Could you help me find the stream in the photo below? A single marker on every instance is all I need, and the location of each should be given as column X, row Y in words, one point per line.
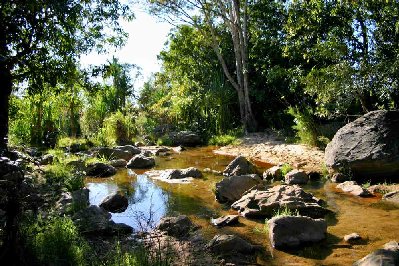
column 150, row 200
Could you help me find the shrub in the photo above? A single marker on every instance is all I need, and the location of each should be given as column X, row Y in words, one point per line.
column 308, row 131
column 117, row 129
column 285, row 169
column 56, row 241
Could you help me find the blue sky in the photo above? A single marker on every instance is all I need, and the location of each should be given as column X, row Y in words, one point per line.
column 147, row 36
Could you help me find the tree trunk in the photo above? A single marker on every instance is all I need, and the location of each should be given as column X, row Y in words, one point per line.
column 5, row 92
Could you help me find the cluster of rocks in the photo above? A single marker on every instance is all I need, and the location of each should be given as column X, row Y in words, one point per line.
column 175, row 175
column 252, row 197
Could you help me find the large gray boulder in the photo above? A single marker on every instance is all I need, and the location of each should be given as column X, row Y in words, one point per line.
column 266, row 202
column 140, row 161
column 294, row 231
column 231, row 188
column 386, row 256
column 239, row 166
column 100, row 170
column 115, row 203
column 368, row 147
column 96, row 221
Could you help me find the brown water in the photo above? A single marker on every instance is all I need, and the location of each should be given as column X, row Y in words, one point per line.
column 149, row 200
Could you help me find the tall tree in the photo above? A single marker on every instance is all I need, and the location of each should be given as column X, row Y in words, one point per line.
column 42, row 40
column 207, row 16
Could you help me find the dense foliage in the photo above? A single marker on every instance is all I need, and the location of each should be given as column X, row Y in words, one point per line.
column 311, row 65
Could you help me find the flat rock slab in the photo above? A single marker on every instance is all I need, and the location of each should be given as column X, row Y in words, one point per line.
column 387, row 256
column 225, row 220
column 287, row 232
column 264, row 203
column 353, row 188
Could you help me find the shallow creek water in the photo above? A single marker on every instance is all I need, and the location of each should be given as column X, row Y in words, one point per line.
column 150, row 200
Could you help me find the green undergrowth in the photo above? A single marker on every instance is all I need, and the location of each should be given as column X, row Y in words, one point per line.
column 64, row 175
column 223, row 140
column 55, row 241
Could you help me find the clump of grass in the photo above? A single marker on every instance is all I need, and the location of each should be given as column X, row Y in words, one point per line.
column 56, row 241
column 285, row 212
column 285, row 168
column 223, row 140
column 366, row 185
column 66, row 142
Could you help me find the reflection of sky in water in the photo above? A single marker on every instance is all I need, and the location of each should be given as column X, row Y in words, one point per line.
column 147, row 201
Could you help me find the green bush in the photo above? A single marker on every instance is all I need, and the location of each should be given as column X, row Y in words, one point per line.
column 56, row 241
column 117, row 129
column 308, row 131
column 285, row 169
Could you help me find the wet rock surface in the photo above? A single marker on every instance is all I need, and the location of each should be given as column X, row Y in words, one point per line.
column 231, row 188
column 287, row 232
column 263, row 203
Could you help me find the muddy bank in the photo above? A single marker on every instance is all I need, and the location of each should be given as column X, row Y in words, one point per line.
column 269, row 148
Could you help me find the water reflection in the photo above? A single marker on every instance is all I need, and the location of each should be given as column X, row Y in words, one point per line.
column 147, row 201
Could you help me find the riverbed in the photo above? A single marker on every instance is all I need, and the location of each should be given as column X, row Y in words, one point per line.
column 150, row 200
